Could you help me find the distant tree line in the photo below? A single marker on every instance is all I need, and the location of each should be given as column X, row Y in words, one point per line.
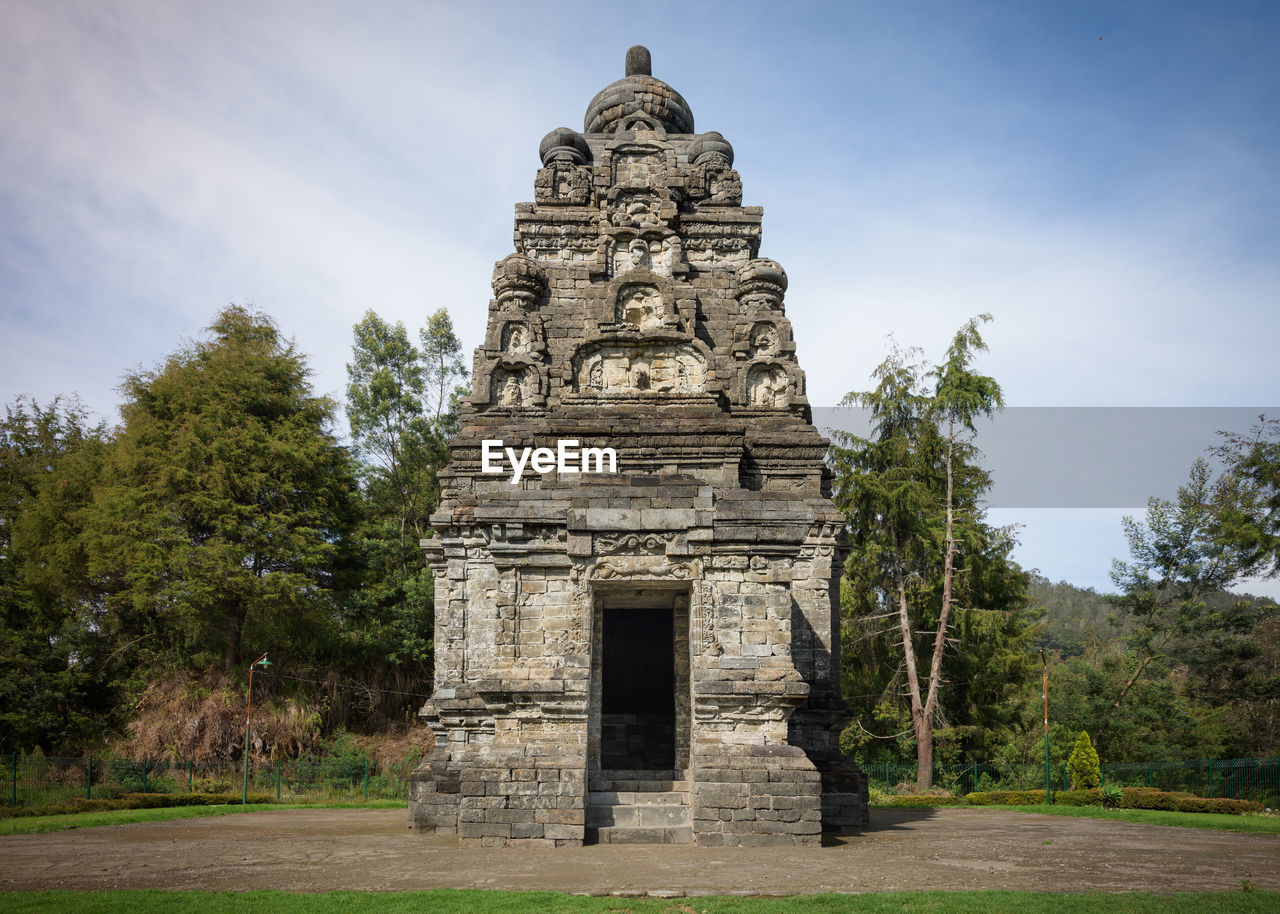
column 941, row 629
column 222, row 517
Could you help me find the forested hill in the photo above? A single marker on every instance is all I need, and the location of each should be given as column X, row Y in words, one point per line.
column 1075, row 618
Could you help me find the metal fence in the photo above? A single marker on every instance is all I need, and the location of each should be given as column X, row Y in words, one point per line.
column 1247, row 779
column 40, row 780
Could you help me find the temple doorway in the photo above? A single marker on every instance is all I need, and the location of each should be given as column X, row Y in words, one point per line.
column 641, row 666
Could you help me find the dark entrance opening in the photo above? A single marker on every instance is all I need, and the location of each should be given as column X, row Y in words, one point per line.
column 638, row 706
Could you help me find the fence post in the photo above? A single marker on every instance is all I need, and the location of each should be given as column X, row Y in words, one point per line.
column 277, row 780
column 1102, row 768
column 1151, row 775
column 13, row 793
column 1211, row 779
column 88, row 781
column 190, row 767
column 975, row 776
column 366, row 779
column 144, row 775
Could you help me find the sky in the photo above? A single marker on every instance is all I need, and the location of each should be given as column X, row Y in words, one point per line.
column 1103, row 178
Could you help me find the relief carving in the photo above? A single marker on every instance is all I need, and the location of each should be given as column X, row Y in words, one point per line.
column 626, row 367
column 764, row 339
column 563, row 183
column 640, row 305
column 514, row 387
column 644, row 568
column 636, row 210
column 768, row 387
column 516, row 338
column 634, row 543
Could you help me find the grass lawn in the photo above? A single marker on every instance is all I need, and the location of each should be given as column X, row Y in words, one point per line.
column 27, row 825
column 451, row 901
column 1255, row 824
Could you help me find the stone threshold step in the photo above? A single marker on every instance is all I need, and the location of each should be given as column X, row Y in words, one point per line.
column 624, row 834
column 639, row 781
column 639, row 816
column 638, row 797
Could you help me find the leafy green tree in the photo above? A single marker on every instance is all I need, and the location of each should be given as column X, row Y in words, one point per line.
column 921, row 551
column 443, row 371
column 56, row 683
column 1084, row 764
column 224, row 502
column 402, row 448
column 1178, row 560
column 1248, row 509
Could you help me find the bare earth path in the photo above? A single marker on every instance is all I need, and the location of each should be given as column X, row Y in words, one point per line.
column 323, row 849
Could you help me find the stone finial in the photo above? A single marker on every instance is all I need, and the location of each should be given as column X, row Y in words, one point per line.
column 639, row 62
column 762, row 277
column 518, row 276
column 710, row 144
column 638, row 93
column 564, row 141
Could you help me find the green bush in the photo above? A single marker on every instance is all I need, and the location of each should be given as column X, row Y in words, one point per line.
column 1112, row 796
column 1130, row 798
column 1217, row 804
column 1084, row 765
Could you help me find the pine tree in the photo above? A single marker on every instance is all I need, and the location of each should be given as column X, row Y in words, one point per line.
column 1084, row 765
column 922, row 554
column 225, row 500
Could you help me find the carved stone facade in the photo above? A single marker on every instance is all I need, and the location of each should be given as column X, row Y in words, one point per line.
column 650, row 654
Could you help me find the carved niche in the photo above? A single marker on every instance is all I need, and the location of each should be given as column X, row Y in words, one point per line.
column 516, row 386
column 565, row 178
column 510, row 367
column 712, row 180
column 768, row 386
column 621, row 367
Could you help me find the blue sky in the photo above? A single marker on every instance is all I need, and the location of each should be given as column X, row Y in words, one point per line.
column 1104, row 178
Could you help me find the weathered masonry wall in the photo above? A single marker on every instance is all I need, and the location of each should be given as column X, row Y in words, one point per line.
column 651, row 654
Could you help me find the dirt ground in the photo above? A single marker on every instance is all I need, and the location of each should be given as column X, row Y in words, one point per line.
column 323, row 849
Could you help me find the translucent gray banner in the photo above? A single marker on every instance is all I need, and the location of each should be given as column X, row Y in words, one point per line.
column 1085, row 457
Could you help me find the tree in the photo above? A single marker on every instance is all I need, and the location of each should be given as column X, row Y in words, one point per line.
column 224, row 502
column 403, row 447
column 920, row 548
column 56, row 682
column 1178, row 560
column 1248, row 508
column 443, row 367
column 1084, row 764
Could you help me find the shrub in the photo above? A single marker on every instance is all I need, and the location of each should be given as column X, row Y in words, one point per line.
column 1112, row 796
column 1146, row 798
column 1085, row 767
column 1217, row 804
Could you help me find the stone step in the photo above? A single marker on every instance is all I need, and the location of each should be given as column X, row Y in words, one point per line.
column 629, row 834
column 639, row 815
column 638, row 797
column 639, row 781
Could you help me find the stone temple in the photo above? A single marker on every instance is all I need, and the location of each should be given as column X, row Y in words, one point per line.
column 638, row 642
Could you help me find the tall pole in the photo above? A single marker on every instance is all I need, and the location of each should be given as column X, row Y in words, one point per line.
column 1044, row 663
column 248, row 714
